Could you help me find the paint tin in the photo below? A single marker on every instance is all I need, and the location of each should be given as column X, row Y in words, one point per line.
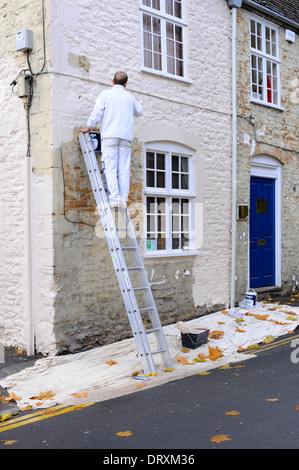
column 250, row 298
column 96, row 141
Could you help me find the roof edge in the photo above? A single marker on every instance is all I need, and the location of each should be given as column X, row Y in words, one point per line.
column 268, row 11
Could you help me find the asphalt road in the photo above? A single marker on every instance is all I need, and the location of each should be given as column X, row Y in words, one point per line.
column 178, row 419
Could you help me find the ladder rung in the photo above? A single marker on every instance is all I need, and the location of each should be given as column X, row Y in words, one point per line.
column 151, row 330
column 146, row 309
column 134, row 268
column 129, row 248
column 158, row 351
column 140, row 288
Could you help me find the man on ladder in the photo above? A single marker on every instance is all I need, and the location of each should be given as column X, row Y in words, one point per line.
column 115, row 109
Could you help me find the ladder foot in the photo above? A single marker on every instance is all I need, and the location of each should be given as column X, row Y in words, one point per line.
column 168, row 370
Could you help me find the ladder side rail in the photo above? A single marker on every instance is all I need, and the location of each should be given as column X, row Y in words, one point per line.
column 118, row 259
column 150, row 301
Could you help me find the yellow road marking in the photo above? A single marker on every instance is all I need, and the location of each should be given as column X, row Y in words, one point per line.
column 38, row 416
column 274, row 345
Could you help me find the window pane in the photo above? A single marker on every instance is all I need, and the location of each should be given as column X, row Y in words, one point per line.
column 169, row 7
column 156, row 26
column 150, row 179
column 184, row 164
column 175, row 163
column 171, row 65
column 175, row 180
column 184, row 182
column 169, row 30
column 148, row 59
column 180, row 68
column 179, row 50
column 157, row 62
column 150, row 160
column 175, row 206
column 151, row 223
column 146, row 22
column 170, row 49
column 178, row 9
column 161, row 205
column 160, row 161
column 178, row 34
column 160, row 179
column 185, row 206
column 150, row 205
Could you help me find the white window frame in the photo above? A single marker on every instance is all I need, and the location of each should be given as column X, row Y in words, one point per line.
column 260, row 93
column 164, row 18
column 169, row 193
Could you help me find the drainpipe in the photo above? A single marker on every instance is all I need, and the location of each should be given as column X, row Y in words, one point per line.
column 234, row 4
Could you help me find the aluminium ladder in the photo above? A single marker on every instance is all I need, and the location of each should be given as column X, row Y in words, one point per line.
column 127, row 275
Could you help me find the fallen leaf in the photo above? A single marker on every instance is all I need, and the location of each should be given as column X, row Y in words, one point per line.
column 201, row 357
column 11, row 397
column 239, row 367
column 43, row 396
column 124, row 433
column 27, row 408
column 233, row 413
column 216, row 334
column 4, row 417
column 220, row 438
column 185, row 350
column 269, row 339
column 80, row 395
column 214, row 353
column 225, row 367
column 140, row 385
column 183, row 361
column 297, row 407
column 203, row 373
column 8, row 443
column 241, row 349
column 110, row 363
column 272, row 399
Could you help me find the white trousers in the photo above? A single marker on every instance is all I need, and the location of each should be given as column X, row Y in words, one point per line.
column 116, row 160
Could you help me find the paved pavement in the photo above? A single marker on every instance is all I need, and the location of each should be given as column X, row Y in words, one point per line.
column 15, row 362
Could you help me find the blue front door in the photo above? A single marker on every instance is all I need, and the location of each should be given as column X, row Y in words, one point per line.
column 262, row 232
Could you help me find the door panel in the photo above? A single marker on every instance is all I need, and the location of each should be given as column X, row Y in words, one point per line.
column 262, row 232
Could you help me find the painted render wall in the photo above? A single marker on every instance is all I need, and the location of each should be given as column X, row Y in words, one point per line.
column 272, row 133
column 86, row 51
column 76, row 300
column 16, row 15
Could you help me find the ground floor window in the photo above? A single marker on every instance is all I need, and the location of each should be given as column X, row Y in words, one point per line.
column 169, row 199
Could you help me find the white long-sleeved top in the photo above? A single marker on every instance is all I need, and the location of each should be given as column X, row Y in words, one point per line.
column 115, row 108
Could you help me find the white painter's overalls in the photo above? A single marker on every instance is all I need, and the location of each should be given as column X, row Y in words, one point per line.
column 116, row 109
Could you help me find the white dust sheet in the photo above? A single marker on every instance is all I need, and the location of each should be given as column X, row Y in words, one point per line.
column 88, row 372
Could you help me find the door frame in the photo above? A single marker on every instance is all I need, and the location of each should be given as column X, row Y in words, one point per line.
column 265, row 166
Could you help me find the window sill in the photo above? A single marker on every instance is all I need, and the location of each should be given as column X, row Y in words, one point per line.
column 167, row 75
column 268, row 105
column 169, row 254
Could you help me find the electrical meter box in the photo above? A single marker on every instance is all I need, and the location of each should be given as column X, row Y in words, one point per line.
column 24, row 40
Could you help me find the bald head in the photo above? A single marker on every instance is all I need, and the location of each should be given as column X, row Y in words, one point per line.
column 120, row 78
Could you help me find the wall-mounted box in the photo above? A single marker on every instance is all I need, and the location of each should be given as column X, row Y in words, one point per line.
column 242, row 212
column 24, row 40
column 290, row 35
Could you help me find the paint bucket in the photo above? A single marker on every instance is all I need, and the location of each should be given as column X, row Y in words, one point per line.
column 96, row 141
column 250, row 298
